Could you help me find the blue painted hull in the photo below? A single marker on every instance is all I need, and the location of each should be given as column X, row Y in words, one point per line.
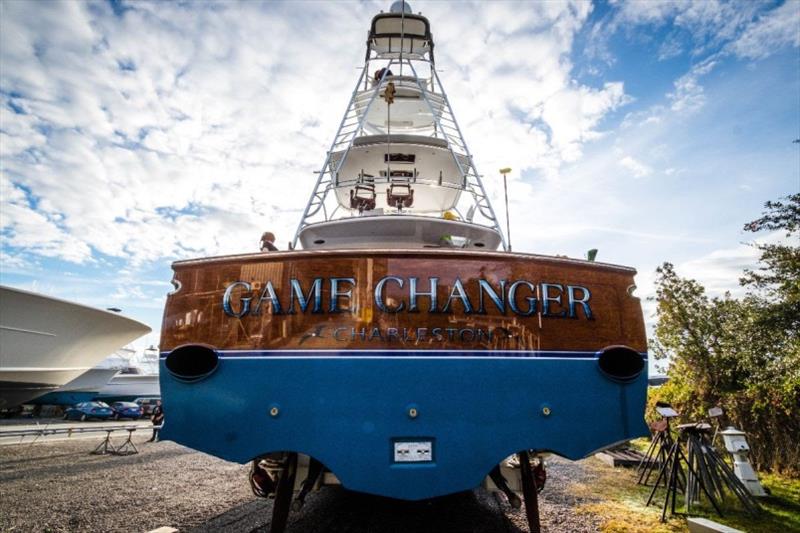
column 347, row 408
column 64, row 398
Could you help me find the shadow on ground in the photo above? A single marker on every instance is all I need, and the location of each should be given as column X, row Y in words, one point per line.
column 334, row 509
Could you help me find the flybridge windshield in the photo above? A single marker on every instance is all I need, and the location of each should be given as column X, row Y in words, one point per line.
column 395, row 33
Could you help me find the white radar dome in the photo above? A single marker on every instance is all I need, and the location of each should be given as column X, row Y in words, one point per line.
column 400, row 6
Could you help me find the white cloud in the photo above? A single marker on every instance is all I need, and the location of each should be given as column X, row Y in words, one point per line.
column 34, row 231
column 654, row 11
column 204, row 123
column 10, row 263
column 771, row 32
column 689, row 94
column 715, row 29
column 719, row 271
column 178, row 130
column 637, row 168
column 708, row 23
column 574, row 114
column 185, row 130
column 671, row 47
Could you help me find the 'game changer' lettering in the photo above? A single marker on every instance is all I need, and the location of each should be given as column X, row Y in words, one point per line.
column 520, row 297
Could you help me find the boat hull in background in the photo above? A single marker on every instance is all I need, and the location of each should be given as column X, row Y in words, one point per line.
column 128, row 387
column 46, row 342
column 84, row 388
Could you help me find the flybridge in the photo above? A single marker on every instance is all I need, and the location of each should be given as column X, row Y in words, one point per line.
column 398, row 173
column 520, row 297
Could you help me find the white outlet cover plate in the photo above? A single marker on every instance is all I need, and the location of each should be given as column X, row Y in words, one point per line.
column 413, row 452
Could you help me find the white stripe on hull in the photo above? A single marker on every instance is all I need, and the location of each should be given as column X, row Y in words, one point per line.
column 139, row 385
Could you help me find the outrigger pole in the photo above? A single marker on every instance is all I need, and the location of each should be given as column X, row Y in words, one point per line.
column 505, row 171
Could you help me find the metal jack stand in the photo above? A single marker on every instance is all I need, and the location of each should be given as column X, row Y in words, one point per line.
column 714, row 472
column 314, row 471
column 106, row 447
column 127, row 447
column 673, row 470
column 659, row 451
column 283, row 494
column 501, row 483
column 530, row 490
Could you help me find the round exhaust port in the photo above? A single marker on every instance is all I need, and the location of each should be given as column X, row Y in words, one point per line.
column 192, row 362
column 620, row 363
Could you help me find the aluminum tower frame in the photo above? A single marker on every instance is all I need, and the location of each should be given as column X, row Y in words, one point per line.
column 445, row 127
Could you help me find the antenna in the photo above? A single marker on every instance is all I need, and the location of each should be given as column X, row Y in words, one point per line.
column 505, row 171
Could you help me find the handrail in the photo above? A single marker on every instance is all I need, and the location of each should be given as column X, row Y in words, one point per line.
column 385, row 180
column 325, row 167
column 402, row 215
column 45, row 431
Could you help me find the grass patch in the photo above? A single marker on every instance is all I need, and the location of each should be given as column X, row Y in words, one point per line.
column 641, row 444
column 614, row 496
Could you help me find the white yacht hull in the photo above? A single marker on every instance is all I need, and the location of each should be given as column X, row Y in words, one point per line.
column 84, row 388
column 128, row 387
column 46, row 342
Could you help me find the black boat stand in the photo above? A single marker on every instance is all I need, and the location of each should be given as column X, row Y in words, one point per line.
column 284, row 489
column 106, row 447
column 127, row 447
column 500, row 482
column 530, row 492
column 314, row 471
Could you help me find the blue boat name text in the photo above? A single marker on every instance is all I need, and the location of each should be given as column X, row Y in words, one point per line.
column 521, row 297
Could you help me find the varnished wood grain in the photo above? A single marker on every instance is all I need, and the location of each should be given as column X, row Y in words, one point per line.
column 194, row 314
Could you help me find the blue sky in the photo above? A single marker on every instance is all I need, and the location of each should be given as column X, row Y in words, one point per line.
column 135, row 134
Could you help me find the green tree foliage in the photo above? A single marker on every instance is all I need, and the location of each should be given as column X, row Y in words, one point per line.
column 741, row 354
column 778, row 277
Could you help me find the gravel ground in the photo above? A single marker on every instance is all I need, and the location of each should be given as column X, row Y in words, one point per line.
column 59, row 486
